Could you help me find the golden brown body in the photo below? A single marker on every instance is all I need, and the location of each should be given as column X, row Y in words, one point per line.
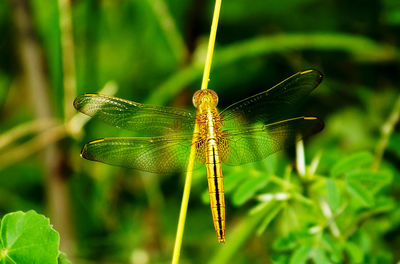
column 210, row 134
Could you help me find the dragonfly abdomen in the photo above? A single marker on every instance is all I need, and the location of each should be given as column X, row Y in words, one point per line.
column 216, row 189
column 210, row 133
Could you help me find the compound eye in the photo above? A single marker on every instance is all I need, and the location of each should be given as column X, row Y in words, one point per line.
column 205, row 95
column 197, row 98
column 213, row 97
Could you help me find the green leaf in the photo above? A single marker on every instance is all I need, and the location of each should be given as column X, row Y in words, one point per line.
column 329, row 243
column 351, row 162
column 271, row 164
column 28, row 238
column 269, row 217
column 301, row 255
column 320, row 257
column 360, row 193
column 62, row 259
column 238, row 238
column 249, row 188
column 354, row 251
column 332, row 194
column 369, row 181
column 302, row 199
column 233, row 179
column 385, row 204
column 372, row 180
column 285, row 243
column 279, row 259
column 205, row 197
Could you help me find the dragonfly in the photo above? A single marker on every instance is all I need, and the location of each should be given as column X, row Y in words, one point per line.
column 246, row 131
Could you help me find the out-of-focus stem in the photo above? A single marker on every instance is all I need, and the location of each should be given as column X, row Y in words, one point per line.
column 23, row 130
column 32, row 63
column 170, row 30
column 36, row 144
column 68, row 56
column 47, row 137
column 386, row 131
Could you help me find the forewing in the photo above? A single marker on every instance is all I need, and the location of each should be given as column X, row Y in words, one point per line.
column 256, row 143
column 146, row 119
column 152, row 154
column 273, row 105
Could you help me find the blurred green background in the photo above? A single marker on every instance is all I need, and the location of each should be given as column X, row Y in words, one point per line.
column 343, row 207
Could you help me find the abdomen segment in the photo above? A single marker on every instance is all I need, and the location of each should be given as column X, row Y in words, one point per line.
column 216, row 190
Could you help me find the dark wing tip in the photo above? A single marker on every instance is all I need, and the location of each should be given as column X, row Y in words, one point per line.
column 77, row 103
column 319, row 76
column 318, row 124
column 81, row 100
column 85, row 152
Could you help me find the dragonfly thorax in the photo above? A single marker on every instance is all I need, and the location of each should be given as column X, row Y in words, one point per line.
column 206, row 95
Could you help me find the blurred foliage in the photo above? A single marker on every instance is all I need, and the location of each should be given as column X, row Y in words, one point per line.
column 343, row 209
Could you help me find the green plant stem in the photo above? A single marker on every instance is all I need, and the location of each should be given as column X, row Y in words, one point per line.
column 185, row 199
column 36, row 144
column 192, row 157
column 33, row 67
column 386, row 131
column 211, row 44
column 9, row 137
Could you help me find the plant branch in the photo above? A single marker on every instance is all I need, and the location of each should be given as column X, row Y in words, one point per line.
column 192, row 156
column 211, row 44
column 386, row 131
column 15, row 133
column 33, row 65
column 185, row 198
column 47, row 137
column 36, row 144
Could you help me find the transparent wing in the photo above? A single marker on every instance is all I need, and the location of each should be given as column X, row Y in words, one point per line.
column 256, row 143
column 152, row 154
column 152, row 120
column 273, row 105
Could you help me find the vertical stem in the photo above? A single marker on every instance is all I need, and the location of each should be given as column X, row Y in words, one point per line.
column 211, row 42
column 386, row 131
column 33, row 65
column 185, row 199
column 192, row 156
column 68, row 57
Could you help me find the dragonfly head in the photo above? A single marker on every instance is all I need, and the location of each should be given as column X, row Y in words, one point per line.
column 205, row 95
